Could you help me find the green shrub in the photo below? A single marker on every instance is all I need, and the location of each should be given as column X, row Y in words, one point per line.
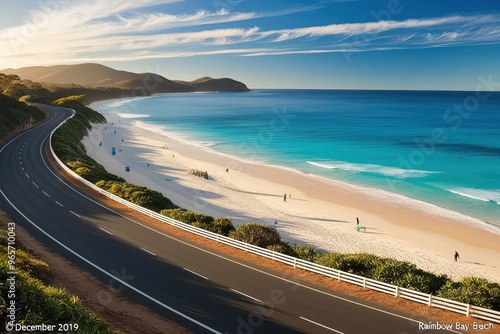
column 69, row 99
column 392, row 271
column 473, row 290
column 300, row 252
column 187, row 216
column 359, row 264
column 143, row 196
column 423, row 281
column 255, row 234
column 217, row 225
column 223, row 226
column 303, row 252
column 283, row 248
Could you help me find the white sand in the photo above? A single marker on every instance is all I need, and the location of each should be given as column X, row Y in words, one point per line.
column 320, row 213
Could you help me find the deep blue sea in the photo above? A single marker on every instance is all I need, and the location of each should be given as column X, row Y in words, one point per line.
column 438, row 147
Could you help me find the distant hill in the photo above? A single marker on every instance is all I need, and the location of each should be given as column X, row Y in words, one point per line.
column 96, row 75
column 208, row 84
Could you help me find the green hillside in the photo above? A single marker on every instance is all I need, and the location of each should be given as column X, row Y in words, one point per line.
column 16, row 116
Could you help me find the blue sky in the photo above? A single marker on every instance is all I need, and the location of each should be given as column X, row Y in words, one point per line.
column 390, row 44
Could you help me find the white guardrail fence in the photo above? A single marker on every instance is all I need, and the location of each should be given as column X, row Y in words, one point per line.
column 419, row 297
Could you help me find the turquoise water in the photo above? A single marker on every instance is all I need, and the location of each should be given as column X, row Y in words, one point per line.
column 438, row 147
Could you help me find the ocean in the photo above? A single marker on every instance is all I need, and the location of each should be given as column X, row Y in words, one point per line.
column 437, row 147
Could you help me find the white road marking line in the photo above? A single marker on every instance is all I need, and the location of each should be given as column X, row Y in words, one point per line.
column 148, row 251
column 318, row 324
column 36, row 185
column 194, row 273
column 75, row 214
column 45, row 193
column 27, row 175
column 58, row 203
column 106, row 231
column 243, row 294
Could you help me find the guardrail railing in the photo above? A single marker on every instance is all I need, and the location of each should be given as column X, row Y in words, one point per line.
column 419, row 297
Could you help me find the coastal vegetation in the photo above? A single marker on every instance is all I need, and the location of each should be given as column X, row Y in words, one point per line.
column 255, row 234
column 66, row 141
column 470, row 290
column 142, row 196
column 16, row 116
column 473, row 290
column 223, row 226
column 36, row 302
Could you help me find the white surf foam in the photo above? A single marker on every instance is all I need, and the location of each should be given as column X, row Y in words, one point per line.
column 123, row 115
column 371, row 168
column 478, row 194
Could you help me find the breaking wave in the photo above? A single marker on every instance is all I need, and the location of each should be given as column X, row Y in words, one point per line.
column 371, row 168
column 478, row 194
column 133, row 115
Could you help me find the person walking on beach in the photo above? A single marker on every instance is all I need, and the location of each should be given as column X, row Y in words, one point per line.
column 284, row 198
column 456, row 256
column 357, row 221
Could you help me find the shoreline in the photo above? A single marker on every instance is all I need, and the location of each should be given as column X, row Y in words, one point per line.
column 320, row 213
column 422, row 204
column 376, row 193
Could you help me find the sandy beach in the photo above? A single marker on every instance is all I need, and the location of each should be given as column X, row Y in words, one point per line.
column 317, row 212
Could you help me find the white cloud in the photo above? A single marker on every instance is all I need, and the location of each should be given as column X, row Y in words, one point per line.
column 352, row 29
column 125, row 30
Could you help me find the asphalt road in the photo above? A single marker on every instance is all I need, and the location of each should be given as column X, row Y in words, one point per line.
column 203, row 291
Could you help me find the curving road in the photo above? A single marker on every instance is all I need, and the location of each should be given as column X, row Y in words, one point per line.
column 203, row 291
